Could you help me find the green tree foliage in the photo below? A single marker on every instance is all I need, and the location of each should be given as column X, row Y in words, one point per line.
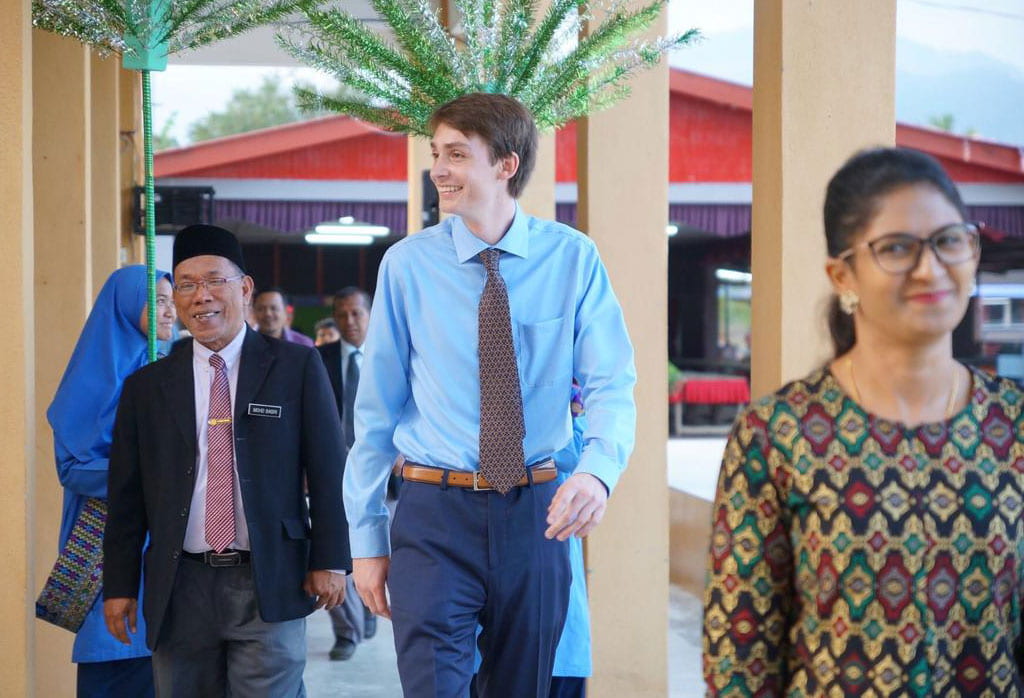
column 163, row 139
column 270, row 104
column 946, row 122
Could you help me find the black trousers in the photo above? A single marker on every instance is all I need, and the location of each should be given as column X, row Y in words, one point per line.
column 461, row 557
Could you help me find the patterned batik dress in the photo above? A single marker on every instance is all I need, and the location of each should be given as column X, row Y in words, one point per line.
column 854, row 556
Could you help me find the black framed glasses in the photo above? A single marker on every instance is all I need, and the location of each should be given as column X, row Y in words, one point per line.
column 898, row 253
column 214, row 283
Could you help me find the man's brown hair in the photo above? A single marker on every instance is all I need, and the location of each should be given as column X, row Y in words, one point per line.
column 503, row 123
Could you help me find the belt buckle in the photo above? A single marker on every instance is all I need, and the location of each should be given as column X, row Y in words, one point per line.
column 476, row 483
column 232, row 559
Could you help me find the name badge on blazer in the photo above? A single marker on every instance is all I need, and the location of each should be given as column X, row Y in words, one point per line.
column 256, row 410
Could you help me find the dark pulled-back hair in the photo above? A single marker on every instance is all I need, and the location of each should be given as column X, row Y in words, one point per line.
column 502, row 122
column 852, row 200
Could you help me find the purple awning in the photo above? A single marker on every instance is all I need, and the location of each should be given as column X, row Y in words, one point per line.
column 297, row 217
column 725, row 220
column 1005, row 219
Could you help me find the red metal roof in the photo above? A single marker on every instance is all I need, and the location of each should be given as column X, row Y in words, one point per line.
column 710, row 140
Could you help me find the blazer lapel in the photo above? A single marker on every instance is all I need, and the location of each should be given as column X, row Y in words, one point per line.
column 178, row 386
column 252, row 371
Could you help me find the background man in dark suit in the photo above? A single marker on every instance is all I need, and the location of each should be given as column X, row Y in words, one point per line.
column 211, row 447
column 352, row 621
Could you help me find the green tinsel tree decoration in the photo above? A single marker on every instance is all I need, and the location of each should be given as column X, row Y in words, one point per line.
column 144, row 33
column 502, row 46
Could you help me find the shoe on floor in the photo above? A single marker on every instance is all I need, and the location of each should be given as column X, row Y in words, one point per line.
column 343, row 649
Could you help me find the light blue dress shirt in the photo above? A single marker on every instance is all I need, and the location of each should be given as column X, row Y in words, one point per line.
column 419, row 389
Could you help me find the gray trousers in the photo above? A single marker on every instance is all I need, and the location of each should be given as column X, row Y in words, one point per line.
column 213, row 643
column 348, row 619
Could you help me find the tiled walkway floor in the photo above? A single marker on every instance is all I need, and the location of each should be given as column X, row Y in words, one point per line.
column 371, row 672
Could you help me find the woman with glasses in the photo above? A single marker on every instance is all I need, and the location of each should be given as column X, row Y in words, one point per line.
column 868, row 531
column 111, row 347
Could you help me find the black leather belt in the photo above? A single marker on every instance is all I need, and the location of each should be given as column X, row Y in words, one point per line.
column 228, row 558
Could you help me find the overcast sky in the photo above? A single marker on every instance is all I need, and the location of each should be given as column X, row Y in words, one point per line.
column 994, row 28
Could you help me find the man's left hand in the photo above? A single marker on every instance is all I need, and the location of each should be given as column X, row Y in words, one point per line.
column 328, row 588
column 577, row 507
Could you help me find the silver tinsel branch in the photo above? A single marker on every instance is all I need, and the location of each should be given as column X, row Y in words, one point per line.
column 542, row 59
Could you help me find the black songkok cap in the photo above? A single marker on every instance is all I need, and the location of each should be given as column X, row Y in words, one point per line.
column 199, row 239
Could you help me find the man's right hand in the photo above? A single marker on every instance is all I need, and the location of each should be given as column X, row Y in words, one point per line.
column 120, row 616
column 370, row 574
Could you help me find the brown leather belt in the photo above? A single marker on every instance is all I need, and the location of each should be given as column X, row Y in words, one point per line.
column 544, row 471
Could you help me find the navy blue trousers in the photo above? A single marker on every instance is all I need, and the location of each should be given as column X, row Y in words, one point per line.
column 120, row 677
column 561, row 687
column 461, row 557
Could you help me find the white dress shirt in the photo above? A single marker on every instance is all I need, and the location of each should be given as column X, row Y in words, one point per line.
column 195, row 533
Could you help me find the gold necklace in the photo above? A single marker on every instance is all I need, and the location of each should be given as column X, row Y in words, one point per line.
column 950, row 403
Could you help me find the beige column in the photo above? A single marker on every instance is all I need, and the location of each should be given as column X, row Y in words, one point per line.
column 623, row 205
column 538, row 199
column 104, row 147
column 419, row 160
column 824, row 75
column 132, row 162
column 17, row 345
column 63, row 289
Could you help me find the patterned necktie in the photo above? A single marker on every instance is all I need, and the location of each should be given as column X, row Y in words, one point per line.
column 501, row 402
column 349, row 396
column 220, row 461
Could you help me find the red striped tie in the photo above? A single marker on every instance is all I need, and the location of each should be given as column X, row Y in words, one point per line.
column 220, row 461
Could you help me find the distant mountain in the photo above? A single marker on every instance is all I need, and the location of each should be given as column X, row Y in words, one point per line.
column 983, row 94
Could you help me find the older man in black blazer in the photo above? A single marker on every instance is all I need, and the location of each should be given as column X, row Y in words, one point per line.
column 212, row 448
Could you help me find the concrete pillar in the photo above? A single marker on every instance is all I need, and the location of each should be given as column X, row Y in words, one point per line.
column 132, row 162
column 419, row 160
column 623, row 206
column 824, row 76
column 538, row 199
column 63, row 289
column 104, row 149
column 17, row 346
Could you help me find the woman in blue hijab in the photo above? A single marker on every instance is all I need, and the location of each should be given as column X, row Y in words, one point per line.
column 111, row 347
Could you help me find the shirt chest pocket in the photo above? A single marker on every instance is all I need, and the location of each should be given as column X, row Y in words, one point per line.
column 545, row 357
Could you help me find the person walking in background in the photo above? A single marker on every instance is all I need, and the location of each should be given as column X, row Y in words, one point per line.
column 478, row 326
column 325, row 331
column 867, row 532
column 111, row 347
column 228, row 454
column 352, row 620
column 270, row 308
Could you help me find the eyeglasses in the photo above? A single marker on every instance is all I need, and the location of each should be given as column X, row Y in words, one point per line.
column 214, row 283
column 898, row 253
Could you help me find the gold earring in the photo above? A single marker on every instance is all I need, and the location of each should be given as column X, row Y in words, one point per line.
column 848, row 302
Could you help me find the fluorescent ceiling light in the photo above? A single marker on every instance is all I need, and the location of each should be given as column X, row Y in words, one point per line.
column 731, row 276
column 333, row 239
column 347, row 226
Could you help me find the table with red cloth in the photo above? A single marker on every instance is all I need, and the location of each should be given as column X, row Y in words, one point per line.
column 706, row 389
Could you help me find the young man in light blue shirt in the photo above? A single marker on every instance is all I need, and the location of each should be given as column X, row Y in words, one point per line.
column 461, row 551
